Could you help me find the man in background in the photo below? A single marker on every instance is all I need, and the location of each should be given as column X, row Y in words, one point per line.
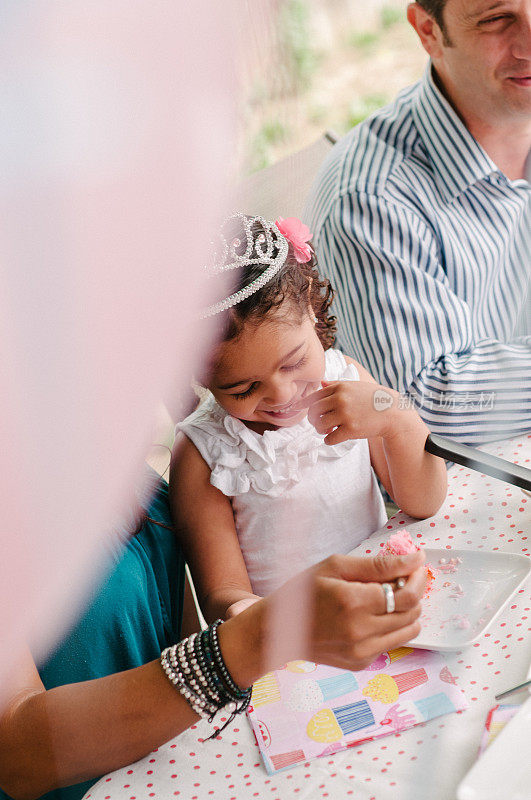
column 422, row 216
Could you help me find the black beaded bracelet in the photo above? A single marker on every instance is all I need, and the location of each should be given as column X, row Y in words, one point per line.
column 239, row 694
column 216, row 691
column 211, row 664
column 196, row 668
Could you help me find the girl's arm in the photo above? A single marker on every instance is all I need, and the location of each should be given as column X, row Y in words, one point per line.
column 205, row 523
column 415, row 479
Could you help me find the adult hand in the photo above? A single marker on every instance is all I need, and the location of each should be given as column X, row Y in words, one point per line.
column 349, row 626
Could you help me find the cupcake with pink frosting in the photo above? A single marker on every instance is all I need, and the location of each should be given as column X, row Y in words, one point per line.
column 401, row 544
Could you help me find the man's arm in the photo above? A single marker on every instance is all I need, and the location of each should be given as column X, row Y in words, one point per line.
column 401, row 318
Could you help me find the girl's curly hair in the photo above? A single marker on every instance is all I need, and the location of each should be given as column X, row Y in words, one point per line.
column 300, row 284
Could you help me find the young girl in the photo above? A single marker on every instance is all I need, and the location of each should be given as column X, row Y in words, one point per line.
column 278, row 466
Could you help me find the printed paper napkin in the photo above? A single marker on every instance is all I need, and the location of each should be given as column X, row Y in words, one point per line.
column 497, row 719
column 305, row 710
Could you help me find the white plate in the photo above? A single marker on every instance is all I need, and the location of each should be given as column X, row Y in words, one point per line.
column 463, row 602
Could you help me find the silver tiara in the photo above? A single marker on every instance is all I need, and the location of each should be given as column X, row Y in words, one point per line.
column 266, row 245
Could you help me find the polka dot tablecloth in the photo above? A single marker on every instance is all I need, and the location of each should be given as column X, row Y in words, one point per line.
column 427, row 761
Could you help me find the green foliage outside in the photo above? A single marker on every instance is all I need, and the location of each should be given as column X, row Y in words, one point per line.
column 364, row 107
column 301, row 58
column 271, row 133
column 390, row 16
column 333, row 81
column 363, row 41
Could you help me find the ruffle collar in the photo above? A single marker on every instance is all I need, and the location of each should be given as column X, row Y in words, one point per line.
column 269, row 463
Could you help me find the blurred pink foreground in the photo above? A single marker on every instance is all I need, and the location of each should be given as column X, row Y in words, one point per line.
column 115, row 136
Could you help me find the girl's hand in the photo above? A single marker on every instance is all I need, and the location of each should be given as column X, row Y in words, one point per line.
column 356, row 410
column 396, row 434
column 240, row 605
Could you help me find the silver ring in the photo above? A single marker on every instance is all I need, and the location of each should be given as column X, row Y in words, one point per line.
column 401, row 582
column 389, row 597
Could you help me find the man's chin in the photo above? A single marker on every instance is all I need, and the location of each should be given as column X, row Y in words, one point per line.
column 518, row 97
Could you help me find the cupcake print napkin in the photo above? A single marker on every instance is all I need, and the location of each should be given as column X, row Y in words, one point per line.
column 305, row 710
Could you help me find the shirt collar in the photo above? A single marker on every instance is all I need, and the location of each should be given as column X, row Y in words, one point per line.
column 459, row 159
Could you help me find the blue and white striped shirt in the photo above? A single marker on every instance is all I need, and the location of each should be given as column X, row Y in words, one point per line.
column 427, row 245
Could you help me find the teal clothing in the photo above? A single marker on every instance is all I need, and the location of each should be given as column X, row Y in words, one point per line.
column 133, row 615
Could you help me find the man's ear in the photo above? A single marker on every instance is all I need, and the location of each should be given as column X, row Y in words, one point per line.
column 427, row 29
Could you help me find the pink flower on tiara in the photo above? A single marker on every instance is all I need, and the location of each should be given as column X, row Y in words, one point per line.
column 298, row 235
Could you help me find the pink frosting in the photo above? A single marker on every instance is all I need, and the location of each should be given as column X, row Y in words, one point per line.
column 400, row 544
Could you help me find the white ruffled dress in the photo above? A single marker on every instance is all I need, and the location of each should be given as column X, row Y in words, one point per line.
column 295, row 499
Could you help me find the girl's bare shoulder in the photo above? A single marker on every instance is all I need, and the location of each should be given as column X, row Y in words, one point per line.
column 362, row 372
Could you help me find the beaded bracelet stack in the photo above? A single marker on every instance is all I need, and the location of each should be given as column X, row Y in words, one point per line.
column 196, row 668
